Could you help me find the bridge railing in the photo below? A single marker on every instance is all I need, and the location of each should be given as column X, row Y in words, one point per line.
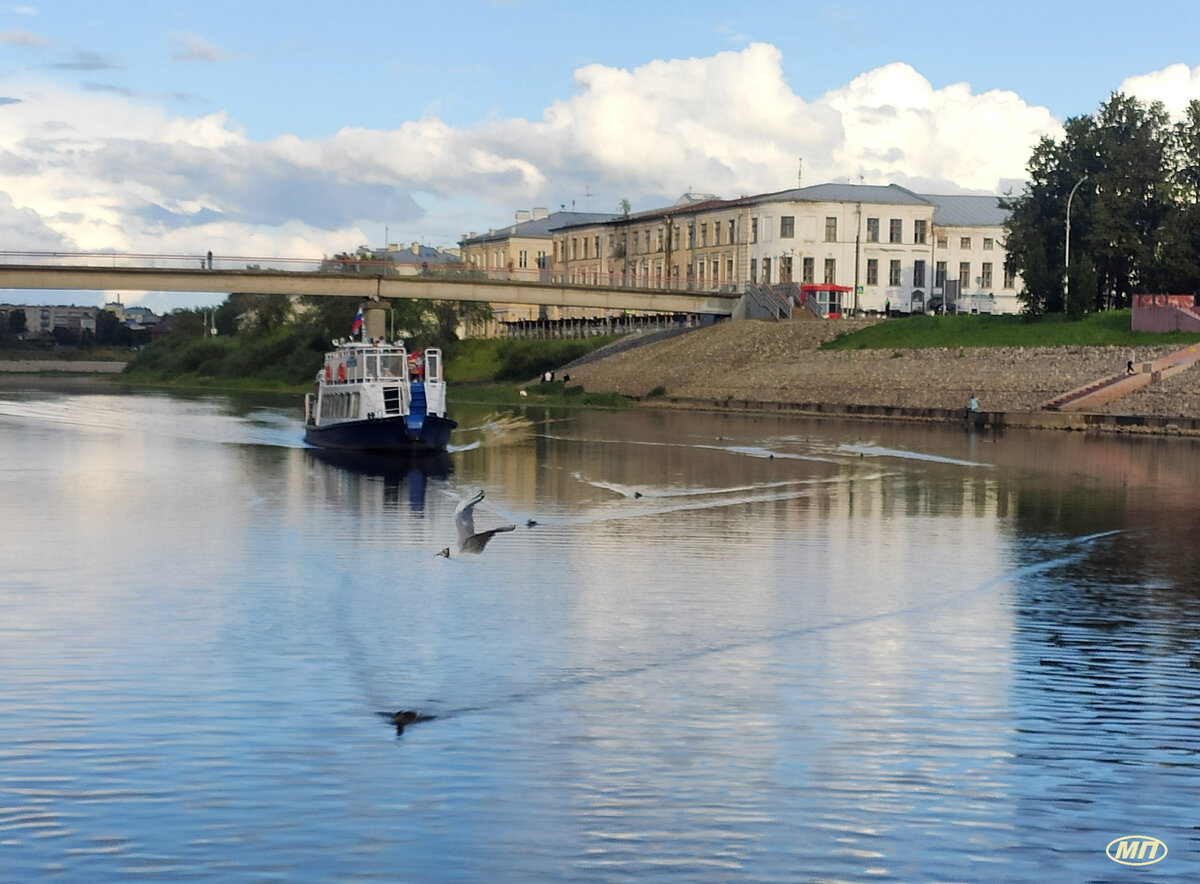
column 355, row 264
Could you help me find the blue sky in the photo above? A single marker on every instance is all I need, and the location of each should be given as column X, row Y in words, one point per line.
column 294, row 129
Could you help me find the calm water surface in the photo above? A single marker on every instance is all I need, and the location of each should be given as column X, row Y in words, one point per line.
column 731, row 648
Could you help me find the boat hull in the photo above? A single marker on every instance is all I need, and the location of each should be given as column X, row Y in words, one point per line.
column 383, row 435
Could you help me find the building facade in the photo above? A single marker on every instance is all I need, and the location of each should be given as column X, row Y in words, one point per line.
column 892, row 248
column 521, row 251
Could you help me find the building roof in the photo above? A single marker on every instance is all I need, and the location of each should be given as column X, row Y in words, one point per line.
column 890, row 194
column 539, row 227
column 419, row 254
column 968, row 210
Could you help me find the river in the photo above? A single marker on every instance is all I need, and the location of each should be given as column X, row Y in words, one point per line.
column 730, row 648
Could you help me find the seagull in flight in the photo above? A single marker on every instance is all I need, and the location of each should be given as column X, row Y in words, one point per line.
column 464, row 521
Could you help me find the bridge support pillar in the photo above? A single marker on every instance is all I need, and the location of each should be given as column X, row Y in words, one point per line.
column 375, row 320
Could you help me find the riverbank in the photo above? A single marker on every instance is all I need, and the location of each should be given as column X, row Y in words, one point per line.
column 780, row 367
column 71, row 366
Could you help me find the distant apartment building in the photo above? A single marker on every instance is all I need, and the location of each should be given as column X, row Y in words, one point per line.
column 43, row 319
column 135, row 318
column 415, row 259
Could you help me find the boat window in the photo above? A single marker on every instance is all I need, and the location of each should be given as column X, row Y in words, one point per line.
column 391, row 365
column 372, row 365
column 433, row 365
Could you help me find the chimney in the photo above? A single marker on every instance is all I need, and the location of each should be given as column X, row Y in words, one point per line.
column 416, row 248
column 540, row 214
column 522, row 216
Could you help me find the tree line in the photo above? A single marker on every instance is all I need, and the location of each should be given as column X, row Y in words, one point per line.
column 1131, row 179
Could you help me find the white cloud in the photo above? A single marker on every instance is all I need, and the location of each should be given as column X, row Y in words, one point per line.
column 23, row 38
column 1174, row 86
column 193, row 47
column 100, row 170
column 898, row 128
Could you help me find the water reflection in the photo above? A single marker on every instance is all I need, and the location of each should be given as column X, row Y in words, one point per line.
column 731, row 647
column 397, row 472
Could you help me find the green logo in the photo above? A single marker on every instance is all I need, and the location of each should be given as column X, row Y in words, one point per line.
column 1136, row 850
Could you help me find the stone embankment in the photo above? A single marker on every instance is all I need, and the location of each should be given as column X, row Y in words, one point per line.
column 780, row 364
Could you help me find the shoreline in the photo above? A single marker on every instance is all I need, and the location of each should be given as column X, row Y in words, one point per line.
column 776, row 368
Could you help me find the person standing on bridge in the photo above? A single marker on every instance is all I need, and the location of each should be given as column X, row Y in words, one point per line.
column 1129, row 362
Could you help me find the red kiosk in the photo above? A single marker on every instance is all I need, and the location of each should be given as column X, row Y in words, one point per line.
column 828, row 297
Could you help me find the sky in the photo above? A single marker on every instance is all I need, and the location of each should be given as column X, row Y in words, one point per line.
column 297, row 129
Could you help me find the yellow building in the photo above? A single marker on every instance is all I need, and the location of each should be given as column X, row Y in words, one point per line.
column 520, row 251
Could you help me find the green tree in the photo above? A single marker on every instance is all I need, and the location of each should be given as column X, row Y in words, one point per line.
column 1127, row 166
column 111, row 332
column 1083, row 291
column 16, row 322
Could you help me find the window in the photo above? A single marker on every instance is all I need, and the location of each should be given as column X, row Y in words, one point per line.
column 754, row 268
column 635, row 242
column 691, row 236
column 943, row 242
column 918, row 274
column 541, row 259
column 731, row 230
column 766, row 271
column 830, row 271
column 988, row 243
column 659, row 240
column 872, row 230
column 1010, row 275
column 704, row 234
column 985, row 275
column 964, row 276
column 597, row 242
column 575, row 247
column 894, row 278
column 753, row 230
column 787, row 226
column 872, row 271
column 808, row 271
column 716, row 233
column 939, row 275
column 785, row 268
column 895, row 230
column 831, row 229
column 919, row 231
column 523, row 258
column 964, row 242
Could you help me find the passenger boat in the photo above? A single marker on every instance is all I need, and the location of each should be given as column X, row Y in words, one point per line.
column 371, row 396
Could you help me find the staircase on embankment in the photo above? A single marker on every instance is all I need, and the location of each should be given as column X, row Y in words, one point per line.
column 1101, row 392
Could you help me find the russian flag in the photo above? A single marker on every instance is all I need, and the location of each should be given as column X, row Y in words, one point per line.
column 357, row 326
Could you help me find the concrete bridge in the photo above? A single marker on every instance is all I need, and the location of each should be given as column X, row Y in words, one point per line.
column 60, row 274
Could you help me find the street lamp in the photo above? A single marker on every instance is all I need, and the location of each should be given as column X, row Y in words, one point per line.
column 1067, row 250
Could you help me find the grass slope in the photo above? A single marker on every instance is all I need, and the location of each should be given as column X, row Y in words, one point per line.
column 1110, row 328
